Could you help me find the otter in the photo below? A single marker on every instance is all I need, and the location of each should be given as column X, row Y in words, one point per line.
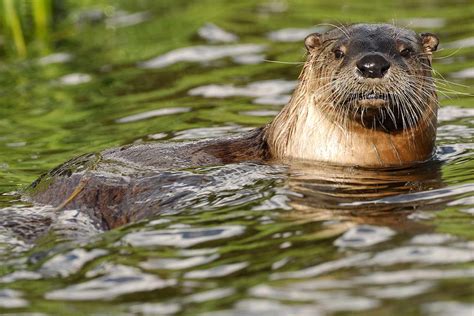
column 365, row 98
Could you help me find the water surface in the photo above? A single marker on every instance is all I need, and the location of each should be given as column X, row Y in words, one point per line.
column 253, row 239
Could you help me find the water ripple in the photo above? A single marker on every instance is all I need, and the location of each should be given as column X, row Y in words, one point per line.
column 409, row 276
column 400, row 292
column 154, row 113
column 294, row 34
column 451, row 113
column 449, row 308
column 322, row 268
column 216, row 272
column 421, row 254
column 262, row 307
column 155, row 308
column 209, row 295
column 111, row 285
column 74, row 79
column 265, row 92
column 214, row 34
column 177, row 264
column 201, row 54
column 123, row 19
column 69, row 263
column 11, row 299
column 433, row 196
column 181, row 237
column 20, row 275
column 333, row 301
column 364, row 236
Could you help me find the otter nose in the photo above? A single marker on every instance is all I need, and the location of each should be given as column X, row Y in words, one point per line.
column 373, row 66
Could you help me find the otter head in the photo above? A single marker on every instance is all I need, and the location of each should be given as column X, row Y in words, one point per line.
column 373, row 83
column 376, row 75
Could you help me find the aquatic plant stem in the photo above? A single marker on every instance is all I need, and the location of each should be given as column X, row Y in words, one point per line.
column 41, row 16
column 13, row 21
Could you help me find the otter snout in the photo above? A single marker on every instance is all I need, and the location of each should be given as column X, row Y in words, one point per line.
column 373, row 65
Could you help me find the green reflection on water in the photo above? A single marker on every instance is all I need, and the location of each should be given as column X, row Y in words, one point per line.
column 44, row 123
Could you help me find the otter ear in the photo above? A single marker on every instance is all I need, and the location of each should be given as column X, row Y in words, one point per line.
column 312, row 41
column 430, row 42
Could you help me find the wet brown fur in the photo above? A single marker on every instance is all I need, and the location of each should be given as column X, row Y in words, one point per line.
column 119, row 185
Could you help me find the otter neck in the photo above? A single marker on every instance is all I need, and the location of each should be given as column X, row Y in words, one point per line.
column 304, row 130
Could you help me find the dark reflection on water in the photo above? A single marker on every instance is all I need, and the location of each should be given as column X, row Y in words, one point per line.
column 356, row 191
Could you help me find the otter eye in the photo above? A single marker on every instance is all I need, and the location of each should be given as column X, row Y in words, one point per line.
column 406, row 52
column 338, row 53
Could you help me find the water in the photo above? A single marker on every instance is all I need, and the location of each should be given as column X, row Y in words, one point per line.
column 251, row 239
